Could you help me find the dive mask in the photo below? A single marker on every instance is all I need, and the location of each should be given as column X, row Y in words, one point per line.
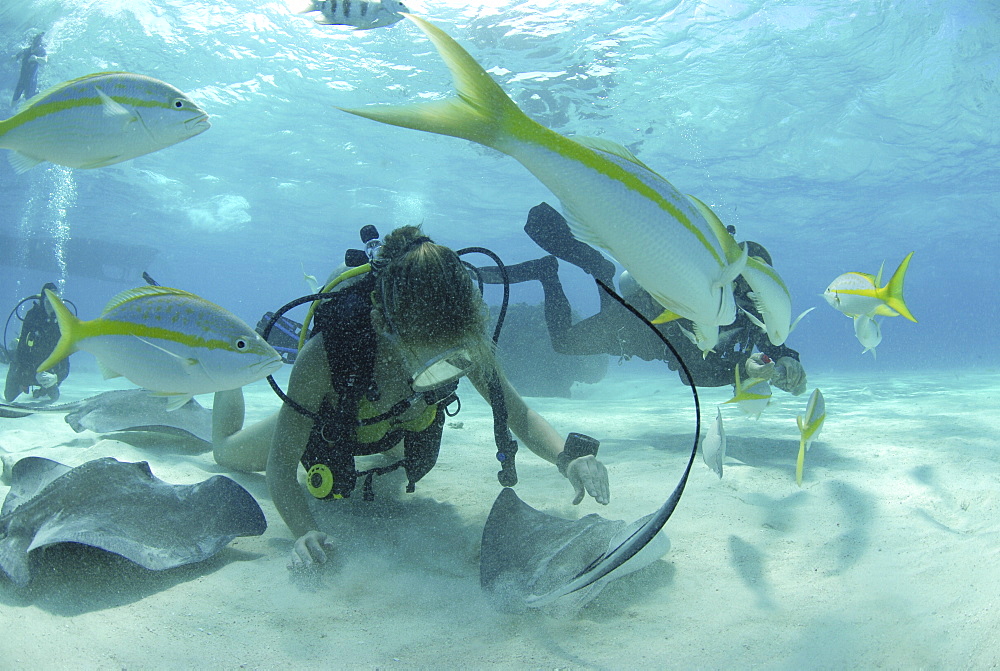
column 429, row 368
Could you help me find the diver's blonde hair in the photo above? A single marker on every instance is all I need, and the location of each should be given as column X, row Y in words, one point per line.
column 428, row 292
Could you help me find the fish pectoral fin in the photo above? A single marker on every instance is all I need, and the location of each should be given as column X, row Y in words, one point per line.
column 22, row 162
column 106, row 372
column 752, row 318
column 733, row 270
column 185, row 361
column 115, row 109
column 174, row 400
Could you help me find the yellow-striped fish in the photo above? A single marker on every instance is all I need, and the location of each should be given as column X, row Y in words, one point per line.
column 809, row 427
column 751, row 395
column 771, row 298
column 99, row 120
column 611, row 199
column 859, row 294
column 169, row 341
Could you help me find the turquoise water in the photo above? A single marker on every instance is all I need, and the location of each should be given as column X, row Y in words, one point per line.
column 839, row 135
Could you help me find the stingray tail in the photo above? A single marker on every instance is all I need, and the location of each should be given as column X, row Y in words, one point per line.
column 69, row 327
column 481, row 112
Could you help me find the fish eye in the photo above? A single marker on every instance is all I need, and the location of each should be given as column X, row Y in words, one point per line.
column 178, row 103
column 241, row 343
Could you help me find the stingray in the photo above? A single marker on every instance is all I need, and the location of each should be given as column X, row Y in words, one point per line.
column 125, row 410
column 536, row 560
column 122, row 508
column 530, row 558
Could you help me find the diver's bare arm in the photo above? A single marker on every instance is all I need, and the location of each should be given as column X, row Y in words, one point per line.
column 533, row 430
column 309, row 383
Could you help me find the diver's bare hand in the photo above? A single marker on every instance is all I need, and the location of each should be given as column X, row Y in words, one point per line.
column 310, row 550
column 587, row 474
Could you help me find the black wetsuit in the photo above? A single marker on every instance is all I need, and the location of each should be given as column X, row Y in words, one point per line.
column 350, row 345
column 616, row 331
column 39, row 335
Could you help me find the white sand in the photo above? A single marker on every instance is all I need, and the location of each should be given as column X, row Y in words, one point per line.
column 886, row 557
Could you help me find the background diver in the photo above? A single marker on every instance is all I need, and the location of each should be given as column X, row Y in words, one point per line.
column 375, row 381
column 615, row 331
column 38, row 337
column 30, row 58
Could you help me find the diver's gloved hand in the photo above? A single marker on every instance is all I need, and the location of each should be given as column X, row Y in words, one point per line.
column 759, row 366
column 45, row 379
column 310, row 550
column 588, row 475
column 789, row 375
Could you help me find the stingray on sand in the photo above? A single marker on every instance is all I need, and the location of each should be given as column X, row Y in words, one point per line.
column 125, row 410
column 121, row 508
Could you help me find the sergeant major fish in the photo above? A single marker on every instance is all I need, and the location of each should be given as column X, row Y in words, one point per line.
column 98, row 120
column 611, row 199
column 361, row 14
column 169, row 341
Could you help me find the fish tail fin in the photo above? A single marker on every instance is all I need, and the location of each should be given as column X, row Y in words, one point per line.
column 69, row 324
column 481, row 112
column 800, row 462
column 894, row 290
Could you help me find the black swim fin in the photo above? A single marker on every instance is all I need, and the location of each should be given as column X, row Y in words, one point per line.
column 550, row 231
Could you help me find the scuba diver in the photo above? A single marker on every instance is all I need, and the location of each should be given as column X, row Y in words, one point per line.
column 27, row 80
column 371, row 387
column 39, row 335
column 615, row 331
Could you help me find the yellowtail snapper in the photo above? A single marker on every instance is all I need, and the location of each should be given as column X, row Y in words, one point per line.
column 98, row 120
column 169, row 341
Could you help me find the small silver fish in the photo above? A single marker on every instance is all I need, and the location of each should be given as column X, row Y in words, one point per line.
column 713, row 445
column 361, row 14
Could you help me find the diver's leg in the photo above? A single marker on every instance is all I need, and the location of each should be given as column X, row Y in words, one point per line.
column 526, row 271
column 235, row 447
column 550, row 231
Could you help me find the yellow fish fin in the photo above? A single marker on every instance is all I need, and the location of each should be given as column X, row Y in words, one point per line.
column 893, row 291
column 728, row 242
column 609, row 147
column 143, row 291
column 800, row 462
column 481, row 112
column 69, row 332
column 666, row 316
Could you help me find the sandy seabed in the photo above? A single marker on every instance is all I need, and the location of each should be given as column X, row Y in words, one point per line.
column 887, row 556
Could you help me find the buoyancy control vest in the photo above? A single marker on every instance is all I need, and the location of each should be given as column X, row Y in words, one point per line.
column 349, row 341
